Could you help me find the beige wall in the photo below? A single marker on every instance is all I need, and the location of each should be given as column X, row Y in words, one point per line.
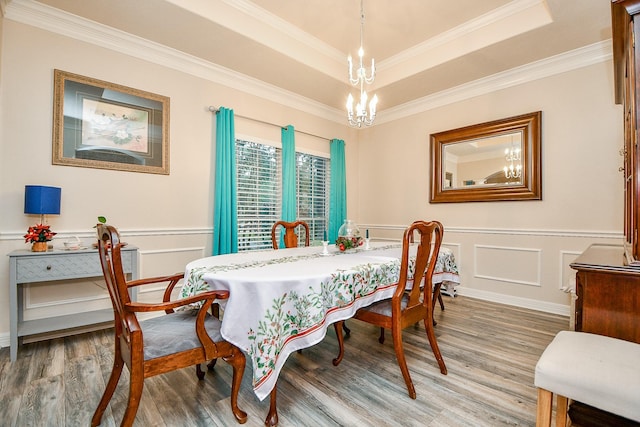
column 515, row 252
column 511, row 251
column 168, row 217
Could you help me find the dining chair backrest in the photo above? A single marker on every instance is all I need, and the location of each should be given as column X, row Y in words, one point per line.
column 109, row 251
column 290, row 237
column 428, row 246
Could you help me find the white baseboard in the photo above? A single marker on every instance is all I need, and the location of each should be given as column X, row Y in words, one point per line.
column 547, row 307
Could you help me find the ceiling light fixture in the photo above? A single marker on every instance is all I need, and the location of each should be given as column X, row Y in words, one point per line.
column 361, row 117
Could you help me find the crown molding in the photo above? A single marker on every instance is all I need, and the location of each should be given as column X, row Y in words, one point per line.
column 56, row 21
column 290, row 31
column 271, row 31
column 59, row 22
column 562, row 63
column 512, row 19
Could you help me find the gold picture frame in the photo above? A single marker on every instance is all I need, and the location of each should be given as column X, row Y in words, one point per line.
column 97, row 124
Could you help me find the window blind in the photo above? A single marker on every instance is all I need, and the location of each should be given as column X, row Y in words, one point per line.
column 260, row 189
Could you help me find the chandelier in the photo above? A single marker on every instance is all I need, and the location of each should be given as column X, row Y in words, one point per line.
column 512, row 170
column 360, row 116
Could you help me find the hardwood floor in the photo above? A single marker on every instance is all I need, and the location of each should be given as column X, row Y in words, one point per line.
column 490, row 351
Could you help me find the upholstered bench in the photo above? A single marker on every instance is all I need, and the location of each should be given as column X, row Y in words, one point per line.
column 596, row 370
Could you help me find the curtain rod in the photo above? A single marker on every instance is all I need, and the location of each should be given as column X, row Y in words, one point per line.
column 215, row 111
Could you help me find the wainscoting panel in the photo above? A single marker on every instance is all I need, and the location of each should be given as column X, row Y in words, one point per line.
column 520, row 266
column 516, row 266
column 567, row 274
column 160, row 262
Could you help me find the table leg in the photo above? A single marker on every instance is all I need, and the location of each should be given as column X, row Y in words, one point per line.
column 338, row 327
column 272, row 416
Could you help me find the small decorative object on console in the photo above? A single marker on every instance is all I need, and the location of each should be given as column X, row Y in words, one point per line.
column 39, row 235
column 349, row 236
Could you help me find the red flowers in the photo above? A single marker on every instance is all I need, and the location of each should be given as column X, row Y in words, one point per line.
column 38, row 233
column 343, row 243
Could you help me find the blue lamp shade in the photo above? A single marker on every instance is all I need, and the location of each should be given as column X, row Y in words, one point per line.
column 42, row 200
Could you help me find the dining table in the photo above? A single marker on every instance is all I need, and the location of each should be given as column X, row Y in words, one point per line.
column 282, row 301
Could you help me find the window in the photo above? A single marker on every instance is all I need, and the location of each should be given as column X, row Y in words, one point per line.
column 312, row 191
column 259, row 173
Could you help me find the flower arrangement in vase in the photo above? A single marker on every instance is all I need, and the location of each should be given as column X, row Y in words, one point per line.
column 345, row 243
column 348, row 236
column 39, row 235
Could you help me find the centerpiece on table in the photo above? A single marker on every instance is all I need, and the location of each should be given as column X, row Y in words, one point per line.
column 349, row 237
column 39, row 235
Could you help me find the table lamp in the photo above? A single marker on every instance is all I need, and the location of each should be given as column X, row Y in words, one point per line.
column 42, row 200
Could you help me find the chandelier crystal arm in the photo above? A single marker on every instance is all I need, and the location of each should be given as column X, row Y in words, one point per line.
column 361, row 117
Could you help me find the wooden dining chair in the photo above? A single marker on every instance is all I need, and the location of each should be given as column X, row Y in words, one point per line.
column 291, row 240
column 437, row 295
column 411, row 302
column 290, row 235
column 172, row 341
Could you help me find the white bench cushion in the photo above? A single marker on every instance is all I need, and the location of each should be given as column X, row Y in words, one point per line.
column 599, row 371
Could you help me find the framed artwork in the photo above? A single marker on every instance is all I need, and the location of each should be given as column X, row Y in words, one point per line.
column 97, row 124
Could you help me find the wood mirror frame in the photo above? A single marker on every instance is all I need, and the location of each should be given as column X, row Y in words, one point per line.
column 527, row 187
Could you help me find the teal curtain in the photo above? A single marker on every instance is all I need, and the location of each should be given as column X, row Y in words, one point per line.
column 338, row 189
column 289, row 203
column 225, row 214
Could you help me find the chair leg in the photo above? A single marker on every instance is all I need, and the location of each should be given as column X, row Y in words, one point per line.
column 434, row 345
column 338, row 326
column 347, row 331
column 396, row 332
column 562, row 405
column 436, row 296
column 116, row 371
column 199, row 372
column 215, row 310
column 381, row 338
column 212, row 364
column 543, row 413
column 136, row 384
column 237, row 360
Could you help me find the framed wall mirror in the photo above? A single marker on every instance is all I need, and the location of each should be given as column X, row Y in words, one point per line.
column 498, row 160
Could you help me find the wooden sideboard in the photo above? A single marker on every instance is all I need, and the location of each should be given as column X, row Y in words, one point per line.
column 608, row 293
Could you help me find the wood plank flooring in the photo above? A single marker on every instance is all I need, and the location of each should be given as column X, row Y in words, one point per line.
column 490, row 351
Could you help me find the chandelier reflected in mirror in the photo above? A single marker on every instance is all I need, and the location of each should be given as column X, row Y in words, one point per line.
column 361, row 116
column 513, row 170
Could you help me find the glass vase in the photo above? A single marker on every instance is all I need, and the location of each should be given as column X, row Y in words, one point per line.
column 349, row 229
column 349, row 238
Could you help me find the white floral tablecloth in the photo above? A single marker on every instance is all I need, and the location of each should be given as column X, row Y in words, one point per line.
column 284, row 300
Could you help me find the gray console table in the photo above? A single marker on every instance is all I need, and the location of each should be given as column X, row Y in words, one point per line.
column 42, row 267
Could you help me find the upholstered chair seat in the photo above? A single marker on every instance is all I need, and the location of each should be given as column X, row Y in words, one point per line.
column 596, row 370
column 174, row 333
